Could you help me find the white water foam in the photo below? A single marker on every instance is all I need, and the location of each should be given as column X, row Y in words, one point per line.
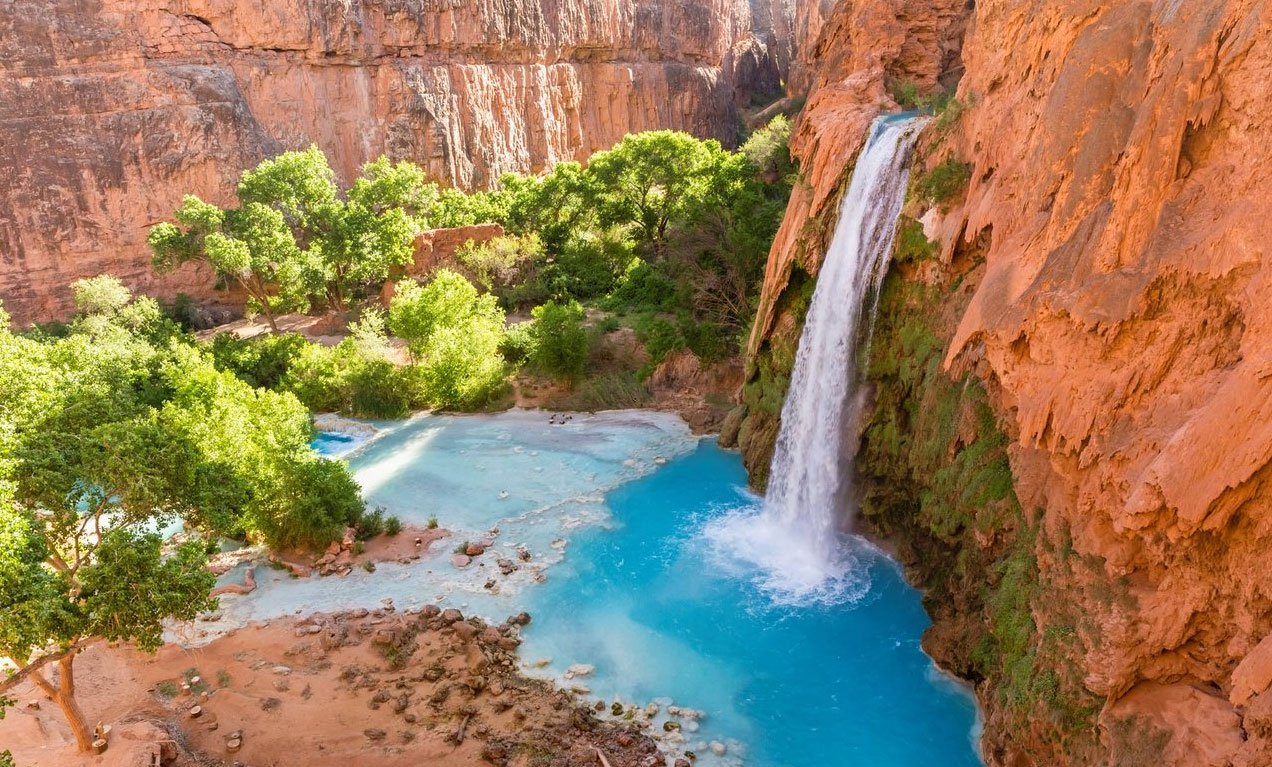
column 794, row 545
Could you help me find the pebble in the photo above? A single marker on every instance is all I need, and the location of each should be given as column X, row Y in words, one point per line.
column 461, row 560
column 579, row 669
column 717, row 748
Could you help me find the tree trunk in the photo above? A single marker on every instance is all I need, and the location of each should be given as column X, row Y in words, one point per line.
column 257, row 291
column 269, row 316
column 64, row 695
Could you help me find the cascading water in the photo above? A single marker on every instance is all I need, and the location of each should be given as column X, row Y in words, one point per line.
column 794, row 538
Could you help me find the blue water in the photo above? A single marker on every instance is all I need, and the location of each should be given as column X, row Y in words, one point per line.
column 611, row 509
column 644, row 601
column 332, row 444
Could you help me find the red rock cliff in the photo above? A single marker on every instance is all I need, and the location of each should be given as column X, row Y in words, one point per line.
column 1118, row 194
column 111, row 110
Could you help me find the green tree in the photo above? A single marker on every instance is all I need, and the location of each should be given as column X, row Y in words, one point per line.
column 294, row 236
column 650, row 179
column 109, row 434
column 555, row 206
column 371, row 235
column 103, row 294
column 560, row 340
column 84, row 474
column 250, row 245
column 453, row 333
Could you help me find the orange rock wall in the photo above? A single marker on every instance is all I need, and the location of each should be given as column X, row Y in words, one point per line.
column 110, row 110
column 1120, row 158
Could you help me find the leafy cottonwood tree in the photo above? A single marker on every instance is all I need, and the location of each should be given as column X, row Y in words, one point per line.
column 250, row 244
column 84, row 476
column 110, row 434
column 293, row 236
column 649, row 179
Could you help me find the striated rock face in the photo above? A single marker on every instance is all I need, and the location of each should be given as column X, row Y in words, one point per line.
column 111, row 110
column 1120, row 159
column 1118, row 195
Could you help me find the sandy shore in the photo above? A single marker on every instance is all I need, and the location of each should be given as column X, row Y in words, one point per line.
column 381, row 687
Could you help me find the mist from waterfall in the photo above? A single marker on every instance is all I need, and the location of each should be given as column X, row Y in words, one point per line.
column 793, row 544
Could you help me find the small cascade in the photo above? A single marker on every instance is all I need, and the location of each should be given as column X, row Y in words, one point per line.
column 794, row 540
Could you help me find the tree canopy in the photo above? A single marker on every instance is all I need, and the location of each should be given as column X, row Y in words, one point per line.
column 111, row 435
column 294, row 239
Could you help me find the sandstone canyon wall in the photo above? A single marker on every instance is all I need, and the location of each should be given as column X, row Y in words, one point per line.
column 110, row 110
column 1101, row 279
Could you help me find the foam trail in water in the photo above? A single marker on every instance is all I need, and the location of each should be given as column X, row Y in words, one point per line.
column 794, row 539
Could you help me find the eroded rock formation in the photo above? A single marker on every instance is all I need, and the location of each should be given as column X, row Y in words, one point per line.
column 111, row 110
column 1116, row 198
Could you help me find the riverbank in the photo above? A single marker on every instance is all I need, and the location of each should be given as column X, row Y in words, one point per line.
column 417, row 687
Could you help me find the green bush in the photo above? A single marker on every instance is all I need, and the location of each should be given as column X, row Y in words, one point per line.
column 454, row 335
column 504, row 266
column 262, row 362
column 560, row 340
column 588, row 266
column 644, row 288
column 912, row 245
column 944, row 182
column 518, row 343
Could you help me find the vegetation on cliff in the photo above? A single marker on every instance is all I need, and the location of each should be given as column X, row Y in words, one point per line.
column 935, row 478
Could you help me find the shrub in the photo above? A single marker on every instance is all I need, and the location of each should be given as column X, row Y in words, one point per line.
column 392, row 526
column 432, row 522
column 944, row 182
column 503, row 263
column 518, row 342
column 643, row 287
column 372, row 524
column 167, row 689
column 560, row 340
column 588, row 266
column 455, row 335
column 262, row 362
column 462, row 367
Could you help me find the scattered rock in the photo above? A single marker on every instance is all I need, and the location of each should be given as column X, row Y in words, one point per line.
column 579, row 669
column 374, row 734
column 461, row 560
column 450, row 615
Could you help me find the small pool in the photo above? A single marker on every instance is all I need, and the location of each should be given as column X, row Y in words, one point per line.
column 333, row 444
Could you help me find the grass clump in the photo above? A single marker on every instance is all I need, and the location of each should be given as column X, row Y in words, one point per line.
column 167, row 689
column 944, row 182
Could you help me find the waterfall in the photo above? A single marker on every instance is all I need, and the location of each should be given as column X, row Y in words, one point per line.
column 794, row 539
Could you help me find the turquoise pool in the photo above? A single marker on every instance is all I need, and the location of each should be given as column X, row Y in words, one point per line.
column 612, row 509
